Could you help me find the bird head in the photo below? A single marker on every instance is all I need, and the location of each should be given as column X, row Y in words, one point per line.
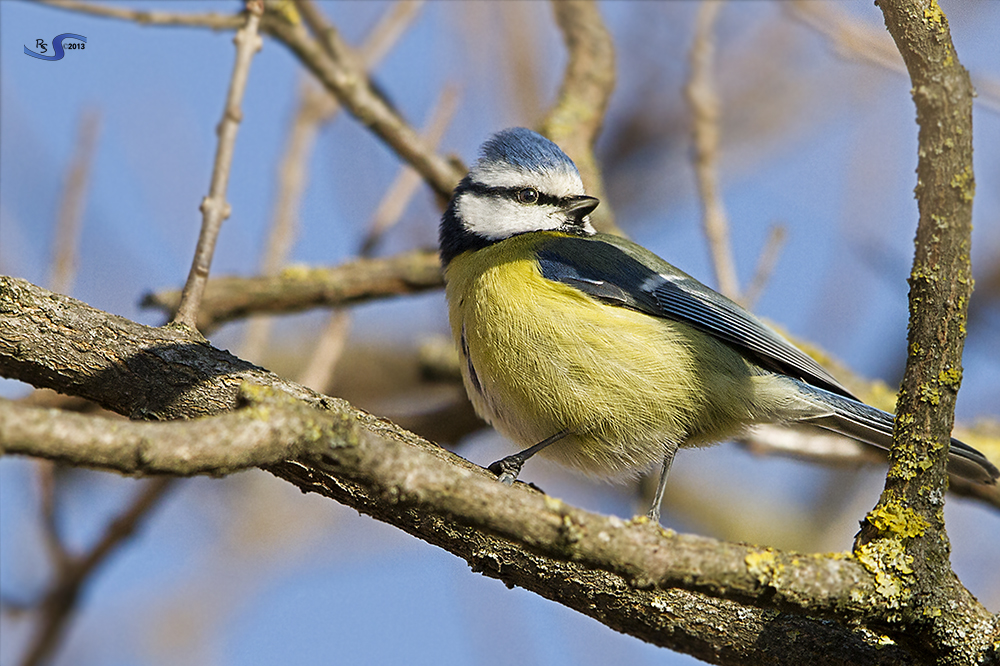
column 521, row 183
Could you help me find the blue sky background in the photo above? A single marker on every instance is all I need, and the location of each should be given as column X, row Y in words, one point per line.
column 247, row 570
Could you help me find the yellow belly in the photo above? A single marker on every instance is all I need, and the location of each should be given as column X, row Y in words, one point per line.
column 540, row 357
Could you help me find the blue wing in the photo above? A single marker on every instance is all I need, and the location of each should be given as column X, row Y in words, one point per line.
column 621, row 273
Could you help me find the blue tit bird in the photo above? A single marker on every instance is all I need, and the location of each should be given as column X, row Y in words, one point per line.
column 598, row 353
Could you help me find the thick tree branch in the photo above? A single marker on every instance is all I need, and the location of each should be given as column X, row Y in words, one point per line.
column 941, row 280
column 54, row 341
column 631, row 575
column 460, row 507
column 903, row 539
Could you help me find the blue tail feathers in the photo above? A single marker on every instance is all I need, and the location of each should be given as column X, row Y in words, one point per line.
column 873, row 426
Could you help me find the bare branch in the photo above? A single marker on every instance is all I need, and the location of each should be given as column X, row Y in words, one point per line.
column 704, row 101
column 58, row 604
column 765, row 264
column 54, row 341
column 386, row 33
column 849, row 38
column 69, row 221
column 661, row 586
column 333, row 451
column 348, row 82
column 215, row 209
column 194, row 20
column 941, row 280
column 217, row 446
column 297, row 288
column 46, row 475
column 854, row 40
column 318, row 372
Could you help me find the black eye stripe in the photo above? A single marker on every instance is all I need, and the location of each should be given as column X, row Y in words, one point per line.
column 511, row 193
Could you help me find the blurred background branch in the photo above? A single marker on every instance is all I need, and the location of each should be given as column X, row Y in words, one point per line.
column 701, row 95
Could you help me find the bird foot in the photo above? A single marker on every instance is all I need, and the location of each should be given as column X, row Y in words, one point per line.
column 507, row 469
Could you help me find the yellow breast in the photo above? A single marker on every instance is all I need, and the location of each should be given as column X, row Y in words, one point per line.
column 540, row 357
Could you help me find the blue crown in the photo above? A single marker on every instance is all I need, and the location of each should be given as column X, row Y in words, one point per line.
column 526, row 150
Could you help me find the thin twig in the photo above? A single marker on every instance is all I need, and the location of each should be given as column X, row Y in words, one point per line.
column 215, row 209
column 66, row 244
column 211, row 20
column 61, row 599
column 387, row 32
column 776, row 236
column 58, row 555
column 315, row 109
column 704, row 100
column 319, row 369
column 849, row 38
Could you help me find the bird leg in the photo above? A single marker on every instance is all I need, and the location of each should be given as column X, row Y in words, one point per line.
column 668, row 459
column 508, row 468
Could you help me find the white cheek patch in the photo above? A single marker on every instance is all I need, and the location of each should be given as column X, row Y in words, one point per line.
column 495, row 218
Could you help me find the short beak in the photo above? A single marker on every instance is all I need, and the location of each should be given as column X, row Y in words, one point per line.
column 577, row 208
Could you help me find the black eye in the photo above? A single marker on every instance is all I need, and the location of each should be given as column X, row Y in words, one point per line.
column 528, row 195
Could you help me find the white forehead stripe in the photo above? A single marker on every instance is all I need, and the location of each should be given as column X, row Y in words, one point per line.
column 559, row 183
